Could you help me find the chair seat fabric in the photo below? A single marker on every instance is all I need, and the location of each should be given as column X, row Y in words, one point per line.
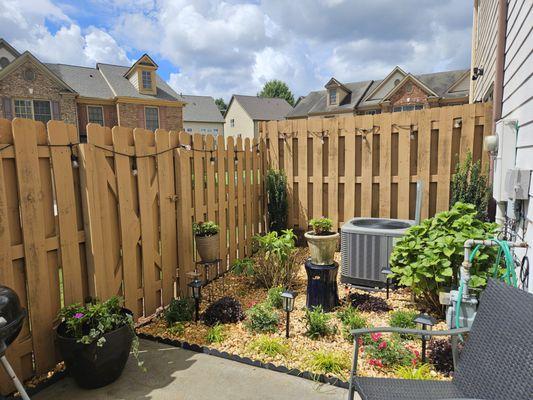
column 405, row 389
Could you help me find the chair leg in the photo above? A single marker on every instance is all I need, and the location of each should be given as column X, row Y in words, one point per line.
column 351, row 389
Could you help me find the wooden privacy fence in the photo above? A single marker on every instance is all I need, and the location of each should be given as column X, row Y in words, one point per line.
column 113, row 217
column 368, row 165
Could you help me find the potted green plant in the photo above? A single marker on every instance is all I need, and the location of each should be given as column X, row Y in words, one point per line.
column 206, row 236
column 95, row 341
column 322, row 241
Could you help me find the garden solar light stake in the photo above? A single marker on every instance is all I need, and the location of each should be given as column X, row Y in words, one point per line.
column 288, row 306
column 461, row 304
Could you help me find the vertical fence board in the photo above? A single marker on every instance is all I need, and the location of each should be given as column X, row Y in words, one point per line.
column 366, row 124
column 445, row 150
column 403, row 123
column 248, row 173
column 303, row 205
column 222, row 200
column 240, row 197
column 333, row 170
column 424, row 158
column 31, row 212
column 384, row 122
column 318, row 180
column 349, row 168
column 230, row 155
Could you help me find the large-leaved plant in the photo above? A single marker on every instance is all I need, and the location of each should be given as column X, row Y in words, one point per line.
column 427, row 259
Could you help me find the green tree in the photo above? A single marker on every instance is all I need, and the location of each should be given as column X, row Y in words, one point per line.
column 278, row 89
column 221, row 104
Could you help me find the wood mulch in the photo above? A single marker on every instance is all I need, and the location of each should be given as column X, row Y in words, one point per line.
column 237, row 338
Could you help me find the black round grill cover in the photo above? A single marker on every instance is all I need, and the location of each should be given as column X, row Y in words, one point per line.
column 12, row 312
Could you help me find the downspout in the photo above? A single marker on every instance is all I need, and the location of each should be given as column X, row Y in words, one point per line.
column 500, row 62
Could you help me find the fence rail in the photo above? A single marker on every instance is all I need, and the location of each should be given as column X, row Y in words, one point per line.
column 369, row 165
column 119, row 224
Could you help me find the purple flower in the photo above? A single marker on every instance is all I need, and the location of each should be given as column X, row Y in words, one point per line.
column 79, row 315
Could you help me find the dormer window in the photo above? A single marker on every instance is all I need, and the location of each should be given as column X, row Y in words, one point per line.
column 146, row 80
column 333, row 96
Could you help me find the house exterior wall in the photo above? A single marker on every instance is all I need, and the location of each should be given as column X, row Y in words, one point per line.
column 110, row 116
column 244, row 125
column 204, row 127
column 14, row 86
column 484, row 42
column 414, row 96
column 131, row 115
column 517, row 103
column 5, row 53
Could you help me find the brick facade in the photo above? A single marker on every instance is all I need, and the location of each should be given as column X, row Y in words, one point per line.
column 14, row 86
column 110, row 116
column 409, row 93
column 132, row 116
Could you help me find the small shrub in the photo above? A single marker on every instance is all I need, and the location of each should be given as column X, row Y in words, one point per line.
column 351, row 319
column 383, row 353
column 179, row 310
column 403, row 319
column 470, row 185
column 428, row 257
column 276, row 265
column 329, row 362
column 208, row 228
column 176, row 329
column 244, row 266
column 368, row 303
column 274, row 297
column 226, row 310
column 215, row 334
column 318, row 323
column 270, row 346
column 277, row 204
column 262, row 318
column 321, row 226
column 440, row 355
column 422, row 372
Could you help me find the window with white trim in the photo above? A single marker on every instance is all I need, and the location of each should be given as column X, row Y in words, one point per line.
column 95, row 114
column 332, row 96
column 151, row 118
column 146, row 79
column 38, row 110
column 409, row 107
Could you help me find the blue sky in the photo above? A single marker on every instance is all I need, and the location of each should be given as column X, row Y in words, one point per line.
column 219, row 48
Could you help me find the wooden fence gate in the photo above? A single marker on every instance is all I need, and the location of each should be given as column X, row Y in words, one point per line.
column 368, row 165
column 113, row 217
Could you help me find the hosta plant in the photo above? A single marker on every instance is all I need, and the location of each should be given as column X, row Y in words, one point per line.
column 428, row 257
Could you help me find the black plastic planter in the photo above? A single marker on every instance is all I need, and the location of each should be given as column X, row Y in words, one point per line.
column 92, row 366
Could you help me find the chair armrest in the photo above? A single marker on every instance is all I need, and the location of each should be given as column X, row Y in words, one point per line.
column 451, row 332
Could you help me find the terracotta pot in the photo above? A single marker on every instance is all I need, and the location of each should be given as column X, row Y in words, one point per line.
column 208, row 247
column 322, row 247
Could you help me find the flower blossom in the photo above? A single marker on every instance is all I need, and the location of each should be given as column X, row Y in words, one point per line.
column 79, row 315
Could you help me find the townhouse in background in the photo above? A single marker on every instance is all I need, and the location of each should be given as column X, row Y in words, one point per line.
column 131, row 96
column 201, row 115
column 398, row 91
column 245, row 113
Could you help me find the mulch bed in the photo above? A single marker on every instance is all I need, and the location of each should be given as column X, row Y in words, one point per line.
column 238, row 337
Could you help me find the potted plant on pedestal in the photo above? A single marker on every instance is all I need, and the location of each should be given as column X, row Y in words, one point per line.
column 322, row 241
column 95, row 341
column 206, row 236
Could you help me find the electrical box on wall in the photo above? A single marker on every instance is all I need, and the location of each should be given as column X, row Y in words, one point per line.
column 517, row 183
column 505, row 157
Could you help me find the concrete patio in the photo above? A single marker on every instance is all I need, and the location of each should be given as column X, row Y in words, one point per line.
column 177, row 374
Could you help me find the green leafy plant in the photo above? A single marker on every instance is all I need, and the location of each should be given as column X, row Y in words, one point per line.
column 176, row 329
column 428, row 257
column 351, row 319
column 421, row 372
column 89, row 323
column 271, row 346
column 274, row 297
column 276, row 265
column 226, row 310
column 215, row 334
column 403, row 319
column 470, row 185
column 277, row 204
column 321, row 226
column 179, row 310
column 387, row 353
column 243, row 266
column 262, row 318
column 329, row 362
column 208, row 228
column 318, row 323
